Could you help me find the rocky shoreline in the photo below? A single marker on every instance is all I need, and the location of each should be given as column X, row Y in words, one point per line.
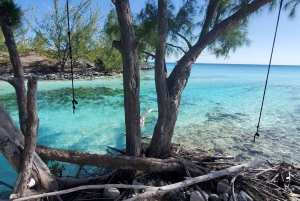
column 86, row 74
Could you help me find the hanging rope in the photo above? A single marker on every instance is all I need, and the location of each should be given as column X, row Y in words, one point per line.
column 70, row 48
column 263, row 99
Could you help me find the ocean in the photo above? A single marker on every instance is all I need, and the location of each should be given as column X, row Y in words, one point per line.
column 218, row 114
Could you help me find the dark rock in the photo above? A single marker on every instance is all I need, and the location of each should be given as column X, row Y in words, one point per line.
column 223, row 188
column 172, row 195
column 215, row 197
column 295, row 189
column 276, row 192
column 224, row 196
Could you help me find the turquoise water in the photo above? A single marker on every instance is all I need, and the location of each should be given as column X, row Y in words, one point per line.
column 219, row 113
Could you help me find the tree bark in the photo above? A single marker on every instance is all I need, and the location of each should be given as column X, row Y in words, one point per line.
column 176, row 82
column 117, row 162
column 162, row 131
column 11, row 147
column 131, row 78
column 210, row 11
column 21, row 185
column 18, row 81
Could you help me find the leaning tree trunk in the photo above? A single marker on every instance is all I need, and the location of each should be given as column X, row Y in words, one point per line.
column 18, row 81
column 128, row 48
column 11, row 147
column 176, row 82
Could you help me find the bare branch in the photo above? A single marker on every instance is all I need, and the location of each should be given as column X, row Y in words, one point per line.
column 178, row 47
column 149, row 54
column 211, row 9
column 113, row 2
column 4, row 78
column 150, row 190
column 184, row 38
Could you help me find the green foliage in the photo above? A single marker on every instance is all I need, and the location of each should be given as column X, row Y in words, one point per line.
column 292, row 6
column 181, row 25
column 51, row 31
column 110, row 57
column 187, row 20
column 111, row 27
column 13, row 13
column 14, row 17
column 147, row 29
column 55, row 167
column 2, row 43
column 233, row 38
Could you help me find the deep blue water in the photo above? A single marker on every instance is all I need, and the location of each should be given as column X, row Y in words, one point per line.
column 219, row 113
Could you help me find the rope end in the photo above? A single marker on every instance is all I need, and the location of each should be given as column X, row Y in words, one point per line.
column 256, row 134
column 74, row 102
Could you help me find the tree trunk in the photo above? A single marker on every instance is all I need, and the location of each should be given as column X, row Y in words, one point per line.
column 11, row 147
column 128, row 48
column 176, row 82
column 162, row 130
column 21, row 185
column 18, row 81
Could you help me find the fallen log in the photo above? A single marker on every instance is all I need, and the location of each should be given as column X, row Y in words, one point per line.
column 150, row 190
column 117, row 162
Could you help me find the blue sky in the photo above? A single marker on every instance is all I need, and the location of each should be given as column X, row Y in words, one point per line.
column 261, row 33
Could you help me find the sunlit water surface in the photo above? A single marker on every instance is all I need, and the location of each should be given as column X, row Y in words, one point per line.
column 219, row 113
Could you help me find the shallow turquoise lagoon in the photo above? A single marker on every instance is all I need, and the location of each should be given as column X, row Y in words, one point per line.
column 219, row 113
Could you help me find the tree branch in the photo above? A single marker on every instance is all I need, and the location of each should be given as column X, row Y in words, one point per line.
column 149, row 54
column 4, row 78
column 65, row 183
column 211, row 9
column 117, row 45
column 180, row 73
column 149, row 190
column 178, row 47
column 184, row 38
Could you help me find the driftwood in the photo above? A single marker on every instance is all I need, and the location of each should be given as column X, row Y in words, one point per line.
column 117, row 150
column 115, row 162
column 143, row 116
column 150, row 190
column 65, row 183
column 123, row 162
